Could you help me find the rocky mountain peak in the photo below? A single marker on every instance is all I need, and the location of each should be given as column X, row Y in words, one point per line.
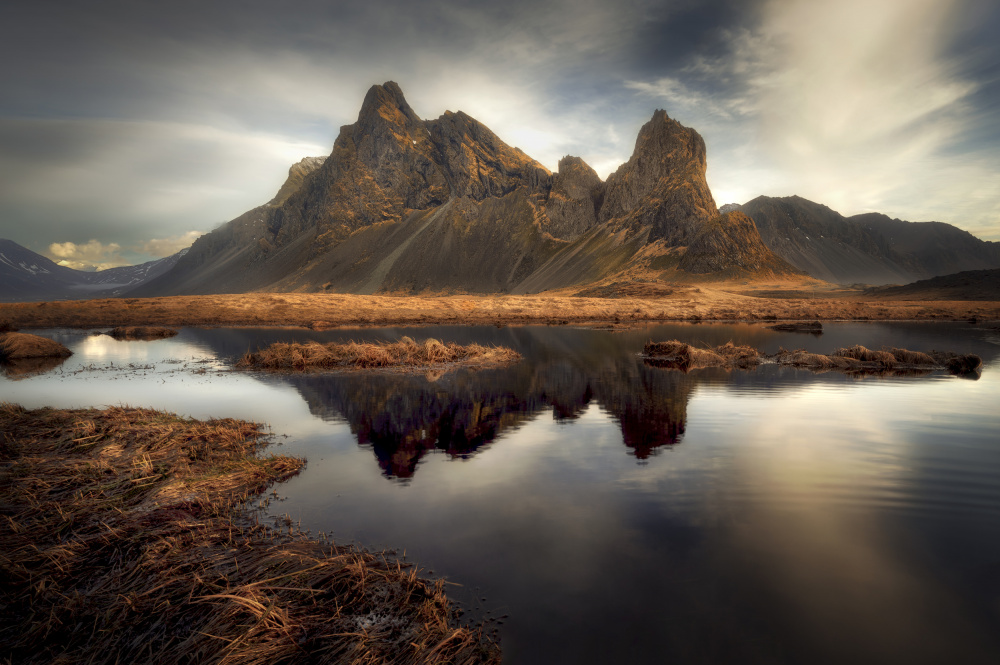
column 662, row 186
column 573, row 200
column 297, row 174
column 386, row 103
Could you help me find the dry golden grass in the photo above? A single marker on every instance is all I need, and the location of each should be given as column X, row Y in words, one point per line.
column 866, row 355
column 21, row 346
column 811, row 327
column 684, row 302
column 406, row 353
column 910, row 357
column 141, row 332
column 684, row 356
column 860, row 359
column 128, row 537
column 674, row 354
column 816, row 361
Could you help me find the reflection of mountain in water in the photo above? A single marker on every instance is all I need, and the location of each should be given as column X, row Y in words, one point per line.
column 402, row 416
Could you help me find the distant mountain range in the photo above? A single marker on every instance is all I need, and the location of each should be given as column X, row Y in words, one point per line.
column 870, row 248
column 405, row 205
column 26, row 276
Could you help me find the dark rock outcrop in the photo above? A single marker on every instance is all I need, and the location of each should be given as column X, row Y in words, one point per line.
column 662, row 187
column 297, row 174
column 573, row 200
column 730, row 246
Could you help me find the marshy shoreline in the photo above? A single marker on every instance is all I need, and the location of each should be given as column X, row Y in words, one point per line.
column 675, row 354
column 132, row 534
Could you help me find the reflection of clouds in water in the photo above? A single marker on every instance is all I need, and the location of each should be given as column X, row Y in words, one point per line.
column 94, row 348
column 814, row 497
column 776, row 517
column 171, row 388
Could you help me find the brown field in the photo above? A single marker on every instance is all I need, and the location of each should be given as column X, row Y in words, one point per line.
column 406, row 353
column 131, row 535
column 765, row 302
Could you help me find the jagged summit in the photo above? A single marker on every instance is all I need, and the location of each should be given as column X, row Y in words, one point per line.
column 297, row 174
column 387, row 102
column 413, row 205
column 662, row 186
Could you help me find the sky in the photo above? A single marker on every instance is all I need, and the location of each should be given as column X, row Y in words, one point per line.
column 129, row 128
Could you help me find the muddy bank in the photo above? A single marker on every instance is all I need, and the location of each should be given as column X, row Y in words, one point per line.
column 404, row 354
column 130, row 535
column 680, row 355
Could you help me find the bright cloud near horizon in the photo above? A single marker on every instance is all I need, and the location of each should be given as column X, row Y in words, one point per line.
column 138, row 126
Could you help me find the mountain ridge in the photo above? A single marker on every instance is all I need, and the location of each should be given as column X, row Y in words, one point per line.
column 417, row 206
column 869, row 248
column 27, row 276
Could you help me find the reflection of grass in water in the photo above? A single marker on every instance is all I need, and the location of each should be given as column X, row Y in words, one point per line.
column 128, row 533
column 28, row 367
column 404, row 353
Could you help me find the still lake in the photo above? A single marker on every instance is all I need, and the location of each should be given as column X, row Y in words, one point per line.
column 621, row 513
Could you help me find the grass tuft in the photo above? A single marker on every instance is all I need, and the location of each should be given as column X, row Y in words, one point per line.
column 141, row 332
column 22, row 346
column 678, row 354
column 405, row 353
column 864, row 354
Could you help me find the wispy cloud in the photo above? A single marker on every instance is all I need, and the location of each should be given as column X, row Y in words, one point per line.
column 139, row 122
column 91, row 255
column 161, row 247
column 854, row 104
column 125, row 181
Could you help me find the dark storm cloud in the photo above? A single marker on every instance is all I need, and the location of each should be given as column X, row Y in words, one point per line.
column 128, row 121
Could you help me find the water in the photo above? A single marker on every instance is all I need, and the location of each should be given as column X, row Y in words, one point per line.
column 623, row 513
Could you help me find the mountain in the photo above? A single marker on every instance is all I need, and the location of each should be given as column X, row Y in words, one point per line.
column 935, row 248
column 26, row 276
column 869, row 248
column 410, row 205
column 966, row 285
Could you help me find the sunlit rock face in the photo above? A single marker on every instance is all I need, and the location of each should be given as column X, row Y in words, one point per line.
column 731, row 245
column 407, row 205
column 390, row 162
column 662, row 186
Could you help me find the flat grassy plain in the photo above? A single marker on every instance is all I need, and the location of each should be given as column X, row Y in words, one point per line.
column 764, row 302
